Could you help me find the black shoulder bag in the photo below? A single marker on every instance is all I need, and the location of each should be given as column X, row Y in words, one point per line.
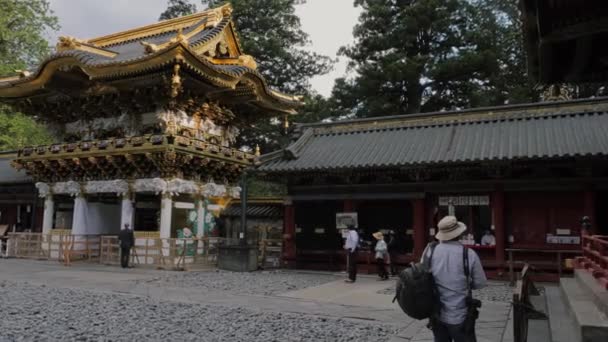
column 473, row 304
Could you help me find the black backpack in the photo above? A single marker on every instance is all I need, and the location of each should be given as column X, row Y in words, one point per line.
column 416, row 291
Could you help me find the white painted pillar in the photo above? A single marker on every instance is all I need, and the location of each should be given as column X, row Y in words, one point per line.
column 79, row 218
column 166, row 207
column 200, row 218
column 126, row 213
column 47, row 218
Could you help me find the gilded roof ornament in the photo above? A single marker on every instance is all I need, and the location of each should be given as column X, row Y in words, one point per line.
column 68, row 43
column 23, row 73
column 149, row 47
column 257, row 150
column 176, row 81
column 226, row 10
column 248, row 61
column 180, row 38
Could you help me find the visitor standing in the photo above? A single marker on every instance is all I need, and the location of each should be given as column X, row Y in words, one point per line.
column 126, row 240
column 392, row 252
column 488, row 239
column 351, row 245
column 381, row 254
column 456, row 270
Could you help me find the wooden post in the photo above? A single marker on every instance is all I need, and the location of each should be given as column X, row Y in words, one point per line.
column 420, row 230
column 498, row 220
column 289, row 234
column 348, row 206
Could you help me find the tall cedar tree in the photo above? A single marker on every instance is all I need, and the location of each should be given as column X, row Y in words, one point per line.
column 177, row 8
column 23, row 24
column 270, row 31
column 413, row 56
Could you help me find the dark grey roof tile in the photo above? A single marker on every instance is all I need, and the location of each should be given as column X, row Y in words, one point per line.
column 461, row 141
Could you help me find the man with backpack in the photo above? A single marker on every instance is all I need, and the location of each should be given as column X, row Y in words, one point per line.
column 456, row 270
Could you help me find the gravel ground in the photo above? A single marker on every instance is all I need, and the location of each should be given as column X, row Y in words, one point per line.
column 494, row 292
column 39, row 313
column 266, row 283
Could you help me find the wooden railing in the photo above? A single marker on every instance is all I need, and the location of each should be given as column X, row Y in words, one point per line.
column 61, row 247
column 165, row 253
column 270, row 253
column 595, row 258
column 523, row 310
column 557, row 262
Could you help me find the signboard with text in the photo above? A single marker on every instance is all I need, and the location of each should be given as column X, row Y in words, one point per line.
column 445, row 201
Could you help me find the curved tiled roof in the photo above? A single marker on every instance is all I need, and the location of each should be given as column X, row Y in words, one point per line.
column 127, row 56
column 518, row 133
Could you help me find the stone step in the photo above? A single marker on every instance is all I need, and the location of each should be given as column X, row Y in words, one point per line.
column 562, row 325
column 591, row 322
column 591, row 286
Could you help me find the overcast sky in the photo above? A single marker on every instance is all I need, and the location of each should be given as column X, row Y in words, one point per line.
column 328, row 22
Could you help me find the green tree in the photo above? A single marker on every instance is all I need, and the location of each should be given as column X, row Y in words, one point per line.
column 271, row 32
column 177, row 8
column 18, row 130
column 412, row 56
column 23, row 26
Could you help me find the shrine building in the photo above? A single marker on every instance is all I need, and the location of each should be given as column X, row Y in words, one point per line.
column 145, row 122
column 527, row 173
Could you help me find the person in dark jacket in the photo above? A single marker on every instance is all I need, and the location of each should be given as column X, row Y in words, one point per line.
column 392, row 252
column 126, row 240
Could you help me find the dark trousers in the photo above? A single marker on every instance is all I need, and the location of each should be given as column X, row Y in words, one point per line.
column 444, row 332
column 382, row 273
column 393, row 263
column 352, row 265
column 124, row 256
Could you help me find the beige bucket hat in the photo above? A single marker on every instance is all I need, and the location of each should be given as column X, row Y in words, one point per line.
column 378, row 235
column 450, row 228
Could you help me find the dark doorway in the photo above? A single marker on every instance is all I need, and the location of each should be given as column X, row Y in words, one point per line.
column 601, row 212
column 386, row 215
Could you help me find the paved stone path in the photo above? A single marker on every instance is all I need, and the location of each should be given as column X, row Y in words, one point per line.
column 295, row 305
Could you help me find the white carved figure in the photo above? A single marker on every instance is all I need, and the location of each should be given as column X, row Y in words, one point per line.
column 43, row 189
column 230, row 135
column 213, row 190
column 171, row 120
column 118, row 186
column 179, row 186
column 71, row 188
column 235, row 192
column 155, row 185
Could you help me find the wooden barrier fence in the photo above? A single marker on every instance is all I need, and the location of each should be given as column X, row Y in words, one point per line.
column 60, row 247
column 523, row 310
column 595, row 258
column 166, row 253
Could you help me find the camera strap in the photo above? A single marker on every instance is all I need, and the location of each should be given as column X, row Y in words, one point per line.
column 465, row 263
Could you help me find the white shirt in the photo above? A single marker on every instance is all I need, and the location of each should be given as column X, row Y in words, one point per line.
column 448, row 271
column 488, row 240
column 352, row 240
column 381, row 249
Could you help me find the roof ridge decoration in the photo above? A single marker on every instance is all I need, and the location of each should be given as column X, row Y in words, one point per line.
column 518, row 112
column 213, row 16
column 65, row 43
